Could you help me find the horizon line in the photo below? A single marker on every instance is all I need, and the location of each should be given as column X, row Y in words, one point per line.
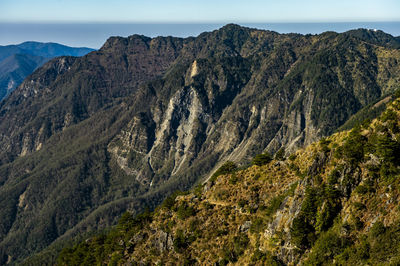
column 198, row 22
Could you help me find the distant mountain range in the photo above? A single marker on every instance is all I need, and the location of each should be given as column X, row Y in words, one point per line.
column 19, row 61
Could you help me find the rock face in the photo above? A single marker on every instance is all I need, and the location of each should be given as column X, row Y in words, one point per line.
column 86, row 138
column 162, row 241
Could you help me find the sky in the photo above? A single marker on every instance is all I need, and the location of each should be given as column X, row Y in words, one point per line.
column 198, row 11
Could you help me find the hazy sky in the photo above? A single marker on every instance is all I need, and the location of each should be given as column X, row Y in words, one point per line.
column 198, row 10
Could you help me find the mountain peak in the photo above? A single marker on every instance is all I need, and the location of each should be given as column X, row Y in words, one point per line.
column 232, row 26
column 233, row 29
column 375, row 36
column 117, row 42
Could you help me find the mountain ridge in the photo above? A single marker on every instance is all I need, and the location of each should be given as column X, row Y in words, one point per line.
column 48, row 49
column 124, row 126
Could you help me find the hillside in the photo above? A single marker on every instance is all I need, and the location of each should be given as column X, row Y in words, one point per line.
column 14, row 69
column 85, row 139
column 335, row 202
column 19, row 61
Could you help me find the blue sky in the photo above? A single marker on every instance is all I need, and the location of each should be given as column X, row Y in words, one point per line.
column 198, row 10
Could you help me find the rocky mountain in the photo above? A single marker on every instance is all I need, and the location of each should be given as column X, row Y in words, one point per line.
column 335, row 202
column 19, row 61
column 85, row 139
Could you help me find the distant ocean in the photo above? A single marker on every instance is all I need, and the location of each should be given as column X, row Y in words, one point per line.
column 95, row 34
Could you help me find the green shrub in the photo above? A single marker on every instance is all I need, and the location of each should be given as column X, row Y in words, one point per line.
column 363, row 249
column 242, row 203
column 294, row 168
column 274, row 204
column 388, row 115
column 234, row 249
column 222, row 194
column 127, row 222
column 180, row 242
column 361, row 189
column 334, row 176
column 325, row 217
column 265, row 258
column 262, row 159
column 324, row 145
column 184, row 211
column 292, row 157
column 314, row 219
column 233, row 179
column 115, row 259
column 388, row 149
column 377, row 229
column 240, row 244
column 169, row 201
column 257, row 225
column 258, row 256
column 359, row 206
column 389, row 172
column 302, row 232
column 353, row 148
column 328, row 245
column 357, row 223
column 280, row 155
column 379, row 247
column 226, row 168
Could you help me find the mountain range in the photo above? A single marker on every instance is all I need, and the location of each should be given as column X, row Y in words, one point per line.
column 19, row 61
column 84, row 139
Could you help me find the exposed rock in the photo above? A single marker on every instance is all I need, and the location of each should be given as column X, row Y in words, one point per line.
column 162, row 241
column 245, row 227
column 317, row 165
